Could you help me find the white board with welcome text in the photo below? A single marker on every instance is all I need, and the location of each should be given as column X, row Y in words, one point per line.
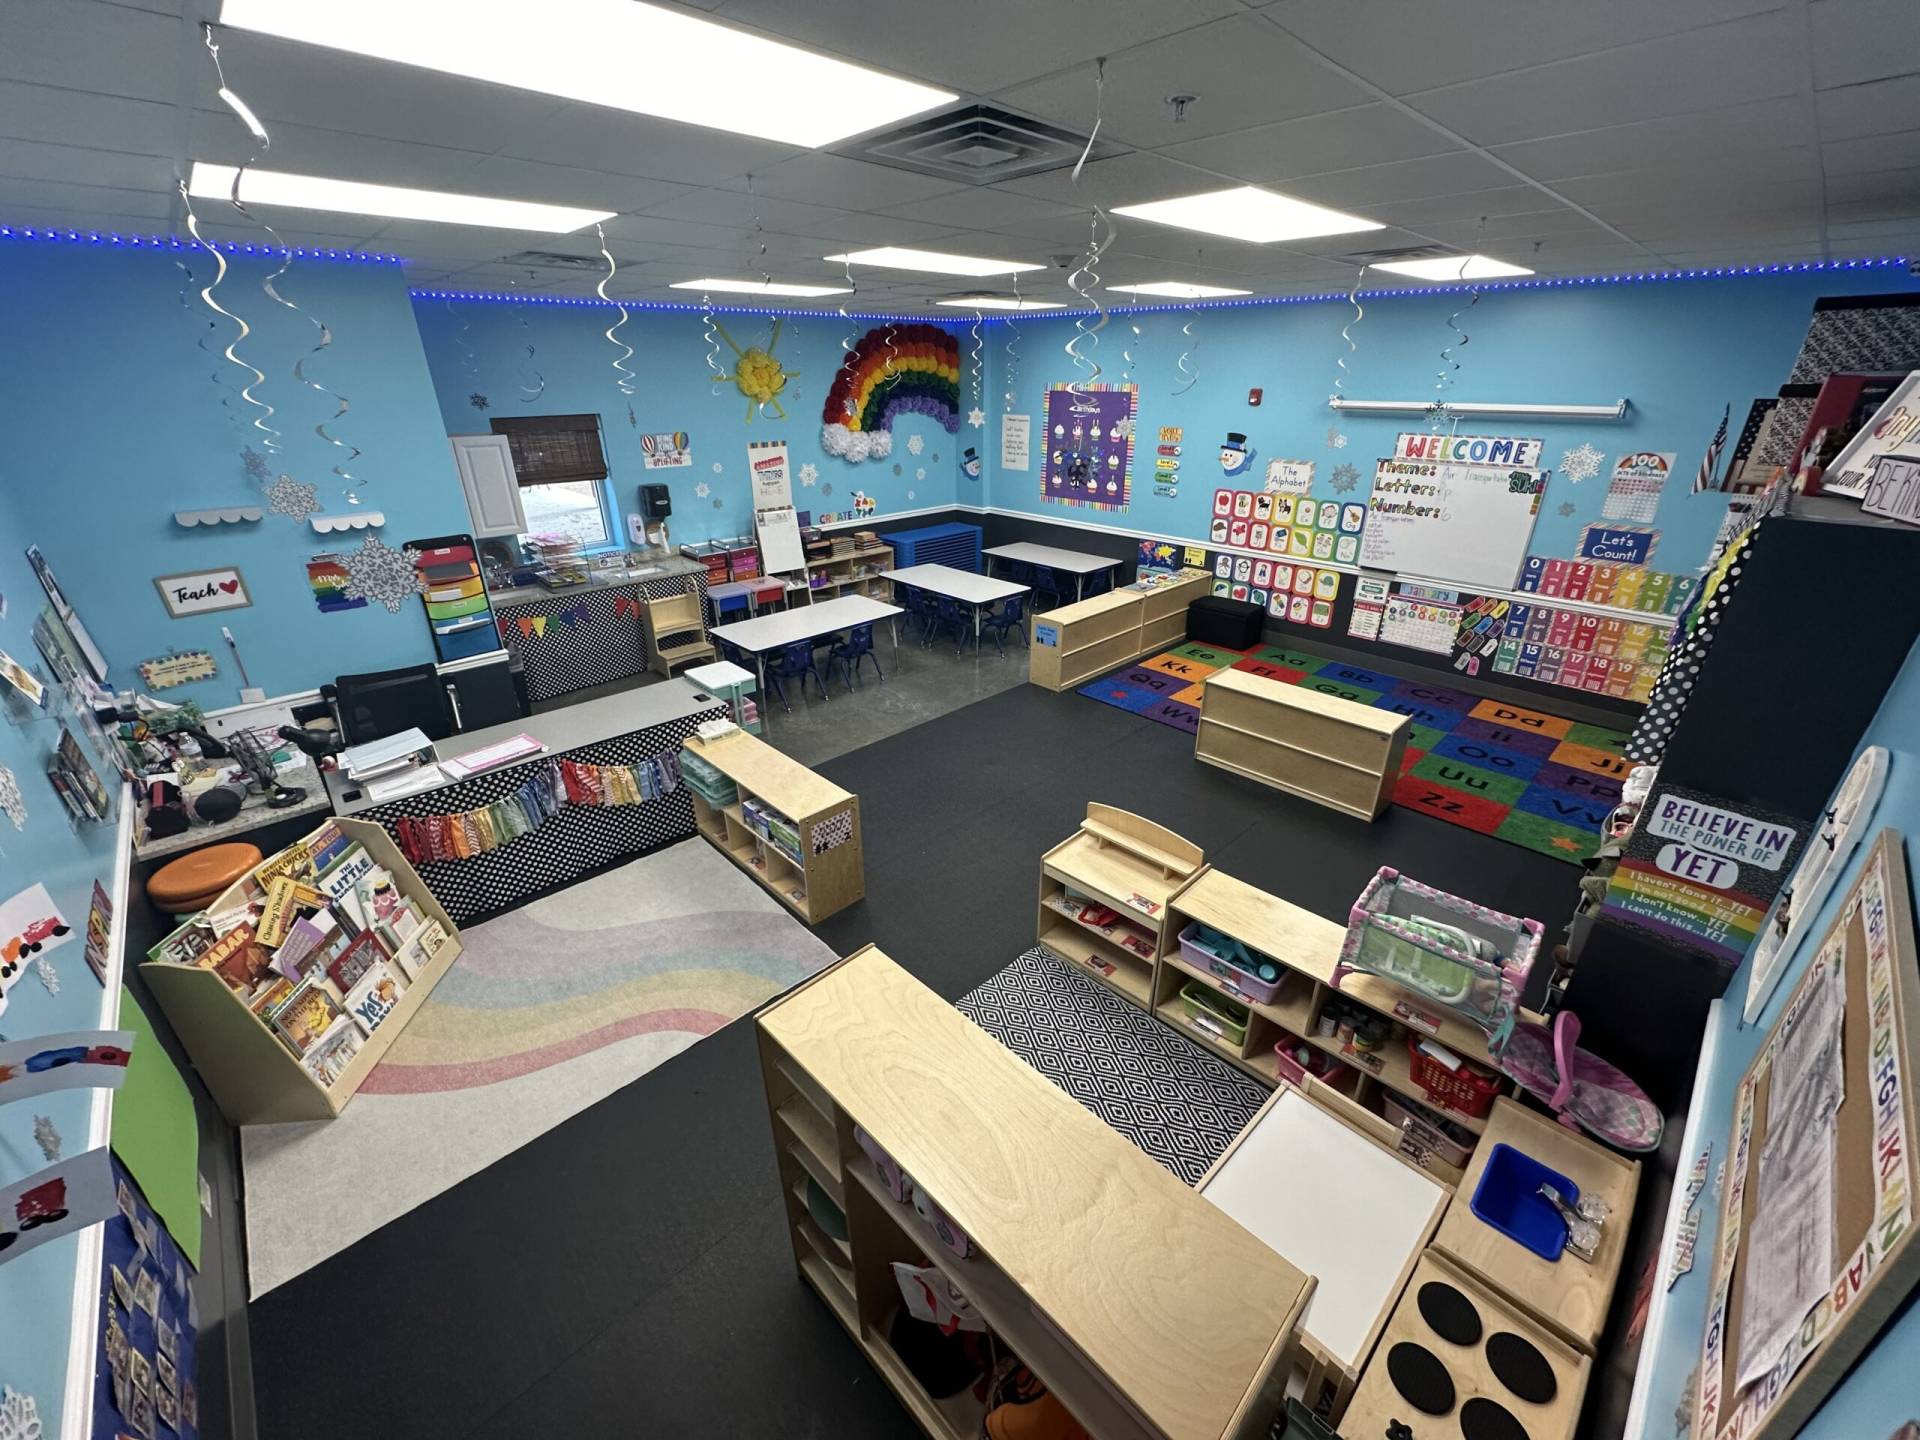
column 1466, row 524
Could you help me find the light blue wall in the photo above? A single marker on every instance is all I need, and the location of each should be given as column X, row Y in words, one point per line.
column 114, row 422
column 36, row 1291
column 1678, row 350
column 480, row 347
column 1880, row 1394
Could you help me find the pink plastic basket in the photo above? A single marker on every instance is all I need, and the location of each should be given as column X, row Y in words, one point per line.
column 1243, row 983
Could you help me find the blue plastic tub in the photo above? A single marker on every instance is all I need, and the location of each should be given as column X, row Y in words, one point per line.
column 1508, row 1198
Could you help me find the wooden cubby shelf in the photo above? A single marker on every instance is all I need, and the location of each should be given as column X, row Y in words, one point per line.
column 1334, row 752
column 829, row 875
column 855, row 572
column 1075, row 643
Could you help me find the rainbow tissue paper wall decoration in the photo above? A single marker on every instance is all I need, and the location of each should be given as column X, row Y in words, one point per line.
column 894, row 370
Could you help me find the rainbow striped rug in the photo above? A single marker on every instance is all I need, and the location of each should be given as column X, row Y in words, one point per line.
column 550, row 1008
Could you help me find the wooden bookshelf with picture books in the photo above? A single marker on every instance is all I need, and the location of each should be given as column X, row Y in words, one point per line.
column 794, row 832
column 289, row 988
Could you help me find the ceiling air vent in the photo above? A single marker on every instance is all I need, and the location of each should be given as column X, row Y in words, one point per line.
column 975, row 145
column 553, row 260
column 1403, row 252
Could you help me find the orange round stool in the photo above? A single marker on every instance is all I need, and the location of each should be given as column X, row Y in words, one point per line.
column 196, row 880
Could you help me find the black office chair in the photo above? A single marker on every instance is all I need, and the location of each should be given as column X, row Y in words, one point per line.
column 372, row 707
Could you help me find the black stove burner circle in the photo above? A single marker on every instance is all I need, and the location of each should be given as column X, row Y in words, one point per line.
column 1484, row 1419
column 1423, row 1382
column 1450, row 1313
column 1519, row 1365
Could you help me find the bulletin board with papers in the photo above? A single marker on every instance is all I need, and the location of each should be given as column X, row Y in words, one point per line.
column 1817, row 1221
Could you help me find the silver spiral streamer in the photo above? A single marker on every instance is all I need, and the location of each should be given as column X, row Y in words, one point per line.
column 979, row 347
column 1346, row 333
column 529, row 393
column 711, row 334
column 1189, row 372
column 200, row 344
column 849, row 337
column 1084, row 280
column 622, row 370
column 1449, row 364
column 270, row 437
column 1126, row 350
column 468, row 366
column 270, row 286
column 1012, row 392
column 893, row 349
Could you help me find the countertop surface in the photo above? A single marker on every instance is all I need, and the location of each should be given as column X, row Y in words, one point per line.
column 254, row 813
column 651, row 567
column 564, row 729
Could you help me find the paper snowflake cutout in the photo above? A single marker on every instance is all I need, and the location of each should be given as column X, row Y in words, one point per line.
column 977, row 418
column 916, row 443
column 899, row 470
column 380, row 573
column 703, row 490
column 479, row 401
column 718, row 467
column 19, row 1416
column 49, row 977
column 287, row 496
column 1566, row 507
column 1335, row 440
column 12, row 803
column 1344, row 478
column 1580, row 463
column 718, row 504
column 809, row 473
column 921, row 473
column 910, row 494
column 46, row 1137
column 255, row 464
column 827, row 489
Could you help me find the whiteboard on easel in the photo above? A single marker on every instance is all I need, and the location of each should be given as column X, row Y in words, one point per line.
column 1448, row 520
column 780, row 549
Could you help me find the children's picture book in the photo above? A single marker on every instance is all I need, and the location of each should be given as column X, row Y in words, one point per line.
column 356, row 960
column 326, row 845
column 329, row 1060
column 267, row 1001
column 373, row 998
column 304, row 936
column 345, row 873
column 306, row 1016
column 223, row 949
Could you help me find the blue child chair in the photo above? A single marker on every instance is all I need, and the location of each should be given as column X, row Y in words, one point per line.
column 794, row 661
column 1049, row 586
column 850, row 649
column 1012, row 616
column 951, row 615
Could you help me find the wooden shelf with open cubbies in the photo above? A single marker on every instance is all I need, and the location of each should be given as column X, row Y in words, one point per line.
column 851, row 572
column 1074, row 643
column 825, row 872
column 1104, row 892
column 1306, row 948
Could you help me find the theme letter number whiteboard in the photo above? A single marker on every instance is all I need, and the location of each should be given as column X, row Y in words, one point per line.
column 1442, row 518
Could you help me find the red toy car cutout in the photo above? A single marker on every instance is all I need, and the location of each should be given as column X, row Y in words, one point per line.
column 28, row 942
column 43, row 1205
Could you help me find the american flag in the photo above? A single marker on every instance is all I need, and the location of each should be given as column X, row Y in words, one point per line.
column 1710, row 466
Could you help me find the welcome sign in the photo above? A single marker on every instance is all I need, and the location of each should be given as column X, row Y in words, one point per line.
column 1467, row 449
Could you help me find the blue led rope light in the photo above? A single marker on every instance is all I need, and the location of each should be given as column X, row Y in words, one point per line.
column 107, row 238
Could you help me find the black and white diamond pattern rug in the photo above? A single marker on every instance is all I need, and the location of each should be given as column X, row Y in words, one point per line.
column 1175, row 1101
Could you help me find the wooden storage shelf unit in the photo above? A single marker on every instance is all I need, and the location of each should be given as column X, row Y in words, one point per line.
column 1334, row 752
column 676, row 630
column 1308, row 948
column 854, row 572
column 1077, row 642
column 1149, row 1313
column 1132, row 867
column 829, row 875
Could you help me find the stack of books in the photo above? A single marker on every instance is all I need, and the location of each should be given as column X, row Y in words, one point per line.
column 319, row 943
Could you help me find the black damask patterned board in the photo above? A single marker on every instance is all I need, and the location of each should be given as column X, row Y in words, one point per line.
column 1864, row 334
column 1173, row 1100
column 610, row 646
column 577, row 841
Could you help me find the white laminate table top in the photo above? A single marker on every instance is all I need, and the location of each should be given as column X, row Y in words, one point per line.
column 804, row 622
column 955, row 584
column 1074, row 562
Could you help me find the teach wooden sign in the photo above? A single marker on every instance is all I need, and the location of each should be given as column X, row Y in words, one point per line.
column 202, row 591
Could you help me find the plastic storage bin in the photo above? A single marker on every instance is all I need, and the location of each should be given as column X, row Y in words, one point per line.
column 1390, row 934
column 1214, row 1013
column 1228, row 959
column 1424, row 1134
column 1468, row 1090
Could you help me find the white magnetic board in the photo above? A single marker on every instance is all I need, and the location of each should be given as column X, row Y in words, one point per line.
column 1469, row 524
column 1335, row 1205
column 780, row 549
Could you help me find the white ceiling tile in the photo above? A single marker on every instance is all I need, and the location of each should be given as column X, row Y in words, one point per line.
column 1242, row 71
column 563, row 185
column 304, row 150
column 1704, row 69
column 1128, row 179
column 89, row 46
column 153, row 206
column 1375, row 185
column 75, row 117
column 823, row 179
column 1405, row 47
column 1859, row 40
column 982, row 208
column 741, row 210
column 1879, row 152
column 1899, row 188
column 978, row 47
column 32, row 160
column 1314, row 144
column 1884, row 107
column 1415, row 215
column 1698, row 139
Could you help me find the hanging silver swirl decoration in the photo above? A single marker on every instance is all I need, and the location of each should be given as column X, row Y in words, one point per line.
column 342, row 404
column 200, row 344
column 1011, row 395
column 848, row 337
column 979, row 346
column 1189, row 372
column 529, row 393
column 1444, row 378
column 1346, row 333
column 711, row 335
column 468, row 367
column 1126, row 350
column 622, row 371
column 1084, row 280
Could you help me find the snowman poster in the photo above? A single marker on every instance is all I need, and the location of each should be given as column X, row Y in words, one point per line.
column 1089, row 445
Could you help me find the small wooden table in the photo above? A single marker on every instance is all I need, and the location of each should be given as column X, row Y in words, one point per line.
column 1076, row 563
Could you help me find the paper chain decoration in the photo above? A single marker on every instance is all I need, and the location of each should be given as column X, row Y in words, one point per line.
column 894, row 370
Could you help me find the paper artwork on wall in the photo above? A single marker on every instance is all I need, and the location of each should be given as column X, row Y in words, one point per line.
column 180, row 667
column 31, row 925
column 12, row 803
column 770, row 473
column 70, row 1060
column 1633, row 493
column 201, row 592
column 67, row 1196
column 22, row 679
column 288, row 496
column 222, row 515
column 666, row 450
column 1090, row 445
column 328, row 577
column 1289, row 477
column 1015, row 441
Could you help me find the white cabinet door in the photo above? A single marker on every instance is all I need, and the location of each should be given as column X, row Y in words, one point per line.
column 493, row 491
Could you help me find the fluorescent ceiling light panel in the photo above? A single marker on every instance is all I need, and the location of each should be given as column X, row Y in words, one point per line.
column 760, row 287
column 1453, row 267
column 356, row 197
column 619, row 53
column 1177, row 289
column 998, row 302
column 931, row 262
column 1248, row 213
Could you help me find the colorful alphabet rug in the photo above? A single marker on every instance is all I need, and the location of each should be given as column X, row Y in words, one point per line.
column 1534, row 779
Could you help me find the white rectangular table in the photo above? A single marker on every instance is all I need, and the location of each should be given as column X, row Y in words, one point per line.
column 962, row 585
column 802, row 622
column 1076, row 563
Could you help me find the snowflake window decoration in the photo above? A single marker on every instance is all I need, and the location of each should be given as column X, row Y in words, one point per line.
column 1566, row 507
column 47, row 1137
column 1344, row 478
column 19, row 1416
column 1335, row 440
column 809, row 473
column 380, row 573
column 921, row 473
column 255, row 464
column 703, row 490
column 287, row 496
column 1580, row 463
column 916, row 443
column 977, row 418
column 910, row 494
column 718, row 467
column 479, row 401
column 49, row 977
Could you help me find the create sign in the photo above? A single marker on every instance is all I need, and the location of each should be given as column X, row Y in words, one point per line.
column 1618, row 544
